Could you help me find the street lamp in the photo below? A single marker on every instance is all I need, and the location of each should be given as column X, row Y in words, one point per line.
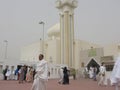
column 41, row 22
column 6, row 45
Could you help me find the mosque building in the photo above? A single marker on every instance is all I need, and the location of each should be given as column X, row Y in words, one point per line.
column 62, row 49
column 86, row 53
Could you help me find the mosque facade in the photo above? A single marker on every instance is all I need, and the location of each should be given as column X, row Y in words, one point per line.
column 86, row 53
column 62, row 49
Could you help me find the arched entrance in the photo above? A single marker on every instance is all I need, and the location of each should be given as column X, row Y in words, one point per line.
column 93, row 63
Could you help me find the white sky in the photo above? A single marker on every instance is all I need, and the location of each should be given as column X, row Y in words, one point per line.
column 97, row 21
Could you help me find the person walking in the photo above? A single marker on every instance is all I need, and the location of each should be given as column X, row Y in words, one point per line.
column 94, row 73
column 60, row 72
column 5, row 71
column 21, row 74
column 102, row 75
column 41, row 75
column 91, row 72
column 29, row 76
column 115, row 75
column 65, row 76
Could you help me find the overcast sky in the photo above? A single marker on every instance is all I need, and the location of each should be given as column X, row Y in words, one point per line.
column 96, row 21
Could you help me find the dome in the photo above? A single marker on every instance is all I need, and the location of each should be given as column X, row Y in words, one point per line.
column 54, row 31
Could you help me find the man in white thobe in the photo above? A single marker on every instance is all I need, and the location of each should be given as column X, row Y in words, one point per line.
column 61, row 76
column 41, row 75
column 91, row 72
column 115, row 75
column 102, row 75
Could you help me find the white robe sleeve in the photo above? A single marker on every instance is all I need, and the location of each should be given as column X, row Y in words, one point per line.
column 115, row 75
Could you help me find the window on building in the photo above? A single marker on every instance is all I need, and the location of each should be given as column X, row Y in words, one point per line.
column 109, row 67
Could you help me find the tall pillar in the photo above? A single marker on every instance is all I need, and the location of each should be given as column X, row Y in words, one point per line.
column 62, row 38
column 66, row 8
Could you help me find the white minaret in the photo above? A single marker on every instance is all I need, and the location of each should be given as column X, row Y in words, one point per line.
column 66, row 8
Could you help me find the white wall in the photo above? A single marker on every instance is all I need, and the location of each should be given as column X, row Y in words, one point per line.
column 53, row 51
column 30, row 52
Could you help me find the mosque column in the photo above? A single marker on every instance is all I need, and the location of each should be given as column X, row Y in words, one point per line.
column 66, row 7
column 62, row 38
column 67, row 38
column 73, row 41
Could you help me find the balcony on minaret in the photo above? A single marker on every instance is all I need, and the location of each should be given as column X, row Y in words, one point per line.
column 70, row 3
column 58, row 4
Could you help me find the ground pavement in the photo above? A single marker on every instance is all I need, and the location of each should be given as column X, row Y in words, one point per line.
column 52, row 84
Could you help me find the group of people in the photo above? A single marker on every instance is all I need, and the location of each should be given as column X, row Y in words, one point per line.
column 114, row 76
column 93, row 72
column 22, row 73
column 40, row 75
column 64, row 75
column 9, row 74
column 26, row 73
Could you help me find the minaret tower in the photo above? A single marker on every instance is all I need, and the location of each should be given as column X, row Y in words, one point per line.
column 66, row 8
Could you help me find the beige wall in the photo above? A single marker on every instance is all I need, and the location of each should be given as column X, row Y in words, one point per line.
column 86, row 58
column 111, row 49
column 81, row 52
column 52, row 51
column 30, row 52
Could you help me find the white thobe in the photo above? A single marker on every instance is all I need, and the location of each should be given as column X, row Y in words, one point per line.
column 102, row 69
column 91, row 72
column 61, row 75
column 115, row 75
column 103, row 80
column 41, row 76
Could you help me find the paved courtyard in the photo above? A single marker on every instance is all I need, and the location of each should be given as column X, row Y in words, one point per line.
column 81, row 84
